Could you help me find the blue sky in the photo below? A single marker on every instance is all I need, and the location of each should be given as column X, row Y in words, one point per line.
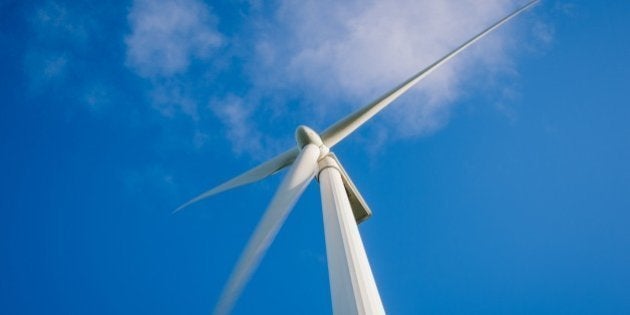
column 500, row 185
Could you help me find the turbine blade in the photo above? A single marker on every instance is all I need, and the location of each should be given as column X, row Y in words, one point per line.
column 350, row 123
column 257, row 173
column 294, row 183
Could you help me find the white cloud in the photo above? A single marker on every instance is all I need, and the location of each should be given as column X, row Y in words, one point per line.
column 544, row 32
column 55, row 21
column 45, row 66
column 338, row 53
column 240, row 129
column 171, row 96
column 165, row 39
column 313, row 61
column 166, row 35
column 58, row 37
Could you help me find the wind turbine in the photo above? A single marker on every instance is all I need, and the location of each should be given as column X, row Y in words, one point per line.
column 352, row 285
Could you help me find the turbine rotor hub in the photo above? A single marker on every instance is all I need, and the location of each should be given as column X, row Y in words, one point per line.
column 305, row 135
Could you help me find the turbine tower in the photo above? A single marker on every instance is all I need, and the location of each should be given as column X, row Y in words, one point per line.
column 352, row 285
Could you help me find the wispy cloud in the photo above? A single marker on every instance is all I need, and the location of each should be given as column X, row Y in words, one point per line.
column 167, row 35
column 172, row 96
column 287, row 62
column 329, row 57
column 58, row 35
column 44, row 66
column 98, row 96
column 340, row 55
column 165, row 39
column 319, row 60
column 60, row 47
column 57, row 21
column 543, row 31
column 240, row 127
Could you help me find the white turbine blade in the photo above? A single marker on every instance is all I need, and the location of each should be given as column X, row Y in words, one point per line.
column 294, row 183
column 350, row 123
column 259, row 172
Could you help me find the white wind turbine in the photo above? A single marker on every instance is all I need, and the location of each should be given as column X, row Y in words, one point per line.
column 352, row 285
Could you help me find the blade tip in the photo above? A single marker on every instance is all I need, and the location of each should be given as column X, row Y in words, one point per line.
column 185, row 205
